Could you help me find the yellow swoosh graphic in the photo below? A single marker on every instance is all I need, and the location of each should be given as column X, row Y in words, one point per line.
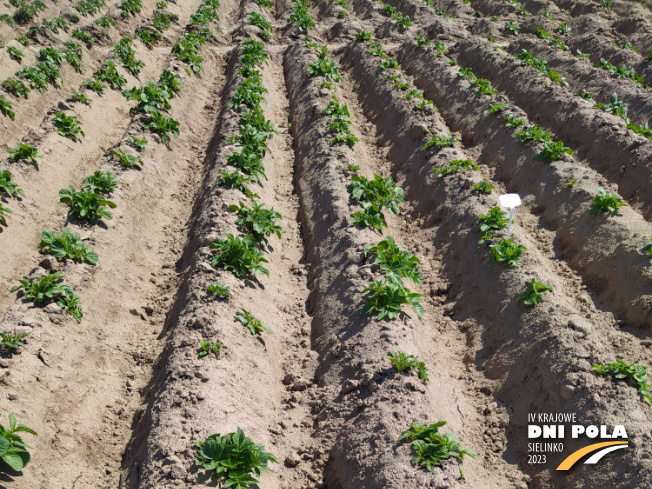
column 575, row 456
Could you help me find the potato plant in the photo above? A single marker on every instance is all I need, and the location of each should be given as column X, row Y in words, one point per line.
column 67, row 246
column 25, row 152
column 8, row 187
column 13, row 450
column 253, row 324
column 380, row 191
column 126, row 55
column 219, row 291
column 300, row 18
column 238, row 181
column 15, row 53
column 369, row 217
column 454, row 166
column 232, row 460
column 125, row 159
column 86, row 205
column 6, row 108
column 109, row 74
column 150, row 97
column 552, row 151
column 440, row 141
column 187, row 49
column 387, row 297
column 483, row 187
column 12, row 341
column 4, row 210
column 430, row 447
column 494, row 220
column 164, row 127
column 84, row 37
column 258, row 221
column 206, row 347
column 404, row 363
column 94, row 85
column 79, row 97
column 239, row 256
column 508, row 252
column 394, row 261
column 49, row 288
column 138, row 144
column 260, row 21
column 17, row 88
column 647, row 249
column 635, row 374
column 606, row 201
column 532, row 133
column 100, row 182
column 68, row 126
column 533, row 293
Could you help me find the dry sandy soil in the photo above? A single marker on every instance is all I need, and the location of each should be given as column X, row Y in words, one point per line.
column 118, row 399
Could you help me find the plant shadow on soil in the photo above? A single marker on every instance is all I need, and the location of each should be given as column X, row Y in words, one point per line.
column 204, row 478
column 8, row 475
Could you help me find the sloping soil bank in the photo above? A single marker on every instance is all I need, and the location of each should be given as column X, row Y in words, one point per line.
column 532, row 361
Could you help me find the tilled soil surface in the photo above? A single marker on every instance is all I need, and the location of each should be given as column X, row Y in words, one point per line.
column 118, row 399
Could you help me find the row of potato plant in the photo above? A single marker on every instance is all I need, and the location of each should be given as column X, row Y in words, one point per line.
column 388, row 296
column 604, row 202
column 233, row 459
column 47, row 69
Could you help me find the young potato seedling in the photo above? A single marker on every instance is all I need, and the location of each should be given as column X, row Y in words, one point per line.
column 394, row 261
column 508, row 252
column 101, row 183
column 454, row 166
column 253, row 324
column 86, row 205
column 4, row 210
column 484, row 187
column 49, row 288
column 571, row 183
column 606, row 201
column 68, row 126
column 387, row 297
column 13, row 450
column 239, row 256
column 25, row 152
column 647, row 249
column 496, row 108
column 404, row 363
column 441, row 141
column 368, row 217
column 80, row 97
column 533, row 293
column 219, row 291
column 631, row 373
column 67, row 245
column 380, row 191
column 258, row 221
column 233, row 460
column 5, row 108
column 494, row 220
column 552, row 151
column 8, row 187
column 126, row 160
column 12, row 341
column 206, row 347
column 430, row 447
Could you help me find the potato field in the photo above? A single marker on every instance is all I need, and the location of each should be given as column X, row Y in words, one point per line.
column 259, row 243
